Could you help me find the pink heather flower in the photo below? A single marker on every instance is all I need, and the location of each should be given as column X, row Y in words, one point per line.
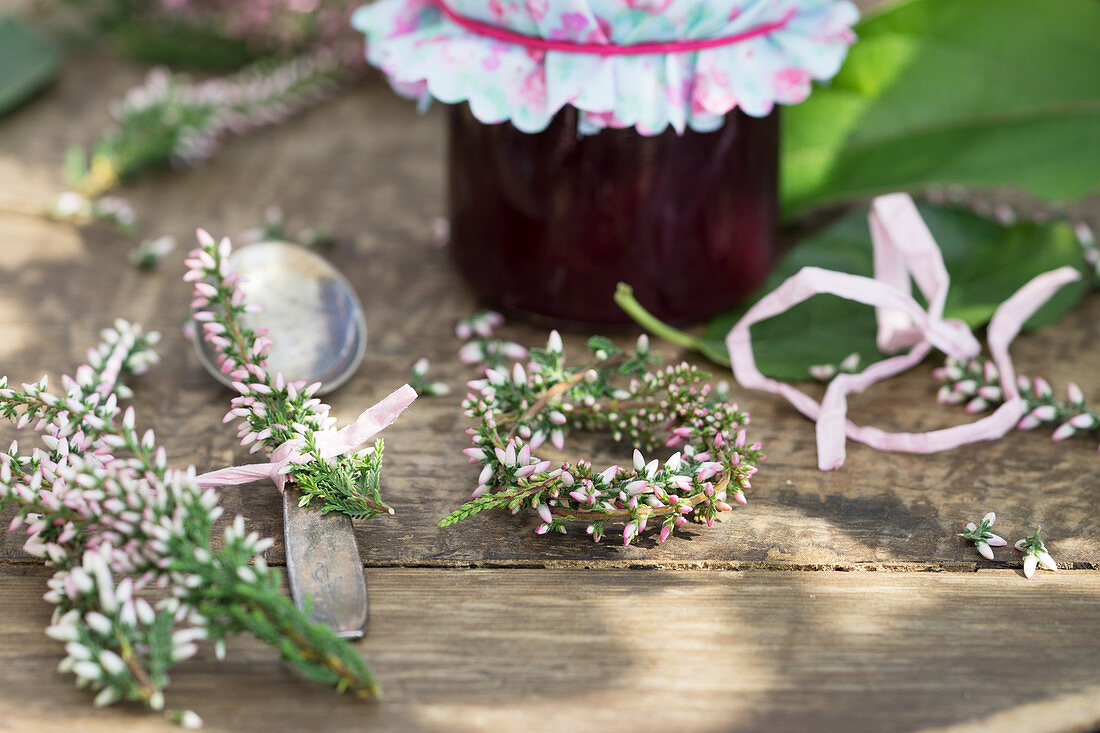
column 526, row 471
column 1084, row 421
column 1064, row 431
column 739, row 442
column 471, row 353
column 608, row 474
column 976, row 405
column 629, row 532
column 990, row 392
column 1028, row 422
column 1045, row 413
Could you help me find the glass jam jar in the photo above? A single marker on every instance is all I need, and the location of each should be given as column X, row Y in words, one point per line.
column 545, row 225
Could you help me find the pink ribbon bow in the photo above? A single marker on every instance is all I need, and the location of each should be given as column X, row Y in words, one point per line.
column 902, row 247
column 329, row 443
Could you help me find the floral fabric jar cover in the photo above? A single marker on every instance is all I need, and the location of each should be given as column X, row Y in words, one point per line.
column 763, row 52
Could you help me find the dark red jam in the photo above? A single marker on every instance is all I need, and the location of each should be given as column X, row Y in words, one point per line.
column 545, row 225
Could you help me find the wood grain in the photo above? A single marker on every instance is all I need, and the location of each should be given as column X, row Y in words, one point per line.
column 369, row 168
column 554, row 648
column 467, row 650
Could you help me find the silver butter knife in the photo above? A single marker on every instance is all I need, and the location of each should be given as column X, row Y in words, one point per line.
column 322, row 561
column 316, row 322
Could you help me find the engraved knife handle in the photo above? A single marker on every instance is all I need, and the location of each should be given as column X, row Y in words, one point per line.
column 322, row 562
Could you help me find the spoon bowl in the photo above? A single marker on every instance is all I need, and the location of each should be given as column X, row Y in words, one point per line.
column 310, row 311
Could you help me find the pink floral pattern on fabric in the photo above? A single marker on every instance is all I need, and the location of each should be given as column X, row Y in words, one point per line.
column 427, row 56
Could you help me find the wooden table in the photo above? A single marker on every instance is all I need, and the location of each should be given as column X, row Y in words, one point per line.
column 833, row 601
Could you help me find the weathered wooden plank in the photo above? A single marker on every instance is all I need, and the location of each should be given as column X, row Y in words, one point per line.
column 649, row 650
column 369, row 168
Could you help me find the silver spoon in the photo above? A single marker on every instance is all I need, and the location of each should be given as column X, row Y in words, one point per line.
column 316, row 321
column 309, row 309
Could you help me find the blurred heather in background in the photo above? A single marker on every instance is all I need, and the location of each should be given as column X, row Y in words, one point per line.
column 219, row 35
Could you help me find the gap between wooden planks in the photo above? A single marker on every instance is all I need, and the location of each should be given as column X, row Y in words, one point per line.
column 471, row 650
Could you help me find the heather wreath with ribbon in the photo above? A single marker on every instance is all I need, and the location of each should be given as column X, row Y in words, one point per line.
column 647, row 64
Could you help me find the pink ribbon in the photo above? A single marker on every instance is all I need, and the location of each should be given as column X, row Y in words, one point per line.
column 903, row 248
column 330, row 444
column 607, row 49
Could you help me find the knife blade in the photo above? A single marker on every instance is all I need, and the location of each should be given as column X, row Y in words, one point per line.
column 322, row 562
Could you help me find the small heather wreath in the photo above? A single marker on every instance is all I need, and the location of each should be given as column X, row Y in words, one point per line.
column 617, row 393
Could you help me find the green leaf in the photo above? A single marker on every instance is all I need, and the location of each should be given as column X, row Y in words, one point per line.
column 987, row 263
column 603, row 343
column 976, row 92
column 28, row 62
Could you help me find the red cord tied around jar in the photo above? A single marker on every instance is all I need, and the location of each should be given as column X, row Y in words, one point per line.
column 329, row 443
column 506, row 35
column 903, row 247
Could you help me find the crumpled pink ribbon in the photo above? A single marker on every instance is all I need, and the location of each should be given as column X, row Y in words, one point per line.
column 330, row 444
column 902, row 247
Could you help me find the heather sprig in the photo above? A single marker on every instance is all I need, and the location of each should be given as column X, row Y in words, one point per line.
column 981, row 534
column 481, row 347
column 80, row 210
column 977, row 383
column 273, row 410
column 274, row 229
column 1035, row 554
column 616, row 392
column 825, row 372
column 151, row 253
column 99, row 503
column 171, row 120
column 419, row 380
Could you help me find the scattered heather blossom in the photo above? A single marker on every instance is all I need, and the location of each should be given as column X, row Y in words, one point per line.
column 82, row 210
column 418, row 378
column 150, row 254
column 272, row 410
column 480, row 324
column 186, row 719
column 976, row 384
column 982, row 536
column 490, row 352
column 825, row 372
column 170, row 120
column 274, row 229
column 1035, row 554
column 1087, row 239
column 480, row 346
column 522, row 407
column 441, row 231
column 282, row 27
column 139, row 581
